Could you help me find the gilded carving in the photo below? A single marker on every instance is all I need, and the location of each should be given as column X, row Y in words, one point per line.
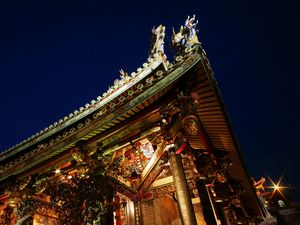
column 190, row 124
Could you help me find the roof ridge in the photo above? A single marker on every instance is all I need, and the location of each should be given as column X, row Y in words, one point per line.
column 157, row 51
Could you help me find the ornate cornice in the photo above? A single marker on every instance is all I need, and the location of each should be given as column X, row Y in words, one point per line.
column 149, row 81
column 120, row 86
column 156, row 57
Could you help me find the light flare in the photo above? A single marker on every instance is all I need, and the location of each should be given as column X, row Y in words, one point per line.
column 277, row 187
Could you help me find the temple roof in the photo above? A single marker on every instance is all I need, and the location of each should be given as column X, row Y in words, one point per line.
column 119, row 86
column 126, row 97
column 138, row 94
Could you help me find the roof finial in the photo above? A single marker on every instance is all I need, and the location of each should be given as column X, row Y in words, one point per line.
column 187, row 36
column 157, row 42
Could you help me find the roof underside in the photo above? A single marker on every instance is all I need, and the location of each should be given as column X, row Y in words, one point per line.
column 216, row 123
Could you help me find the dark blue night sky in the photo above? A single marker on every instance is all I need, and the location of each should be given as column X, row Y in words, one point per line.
column 56, row 56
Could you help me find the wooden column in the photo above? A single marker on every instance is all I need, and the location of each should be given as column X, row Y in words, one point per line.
column 182, row 191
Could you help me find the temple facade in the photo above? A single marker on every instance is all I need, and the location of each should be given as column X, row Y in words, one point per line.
column 157, row 148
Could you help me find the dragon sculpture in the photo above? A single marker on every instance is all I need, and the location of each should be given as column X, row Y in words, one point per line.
column 187, row 35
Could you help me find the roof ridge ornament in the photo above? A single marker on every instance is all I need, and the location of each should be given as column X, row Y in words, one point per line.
column 124, row 75
column 157, row 40
column 187, row 37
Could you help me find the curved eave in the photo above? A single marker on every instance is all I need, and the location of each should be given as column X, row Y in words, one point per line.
column 136, row 77
column 108, row 121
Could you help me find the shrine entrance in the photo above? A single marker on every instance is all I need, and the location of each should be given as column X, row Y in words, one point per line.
column 163, row 211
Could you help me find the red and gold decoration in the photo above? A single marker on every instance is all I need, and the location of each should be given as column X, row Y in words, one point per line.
column 147, row 148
